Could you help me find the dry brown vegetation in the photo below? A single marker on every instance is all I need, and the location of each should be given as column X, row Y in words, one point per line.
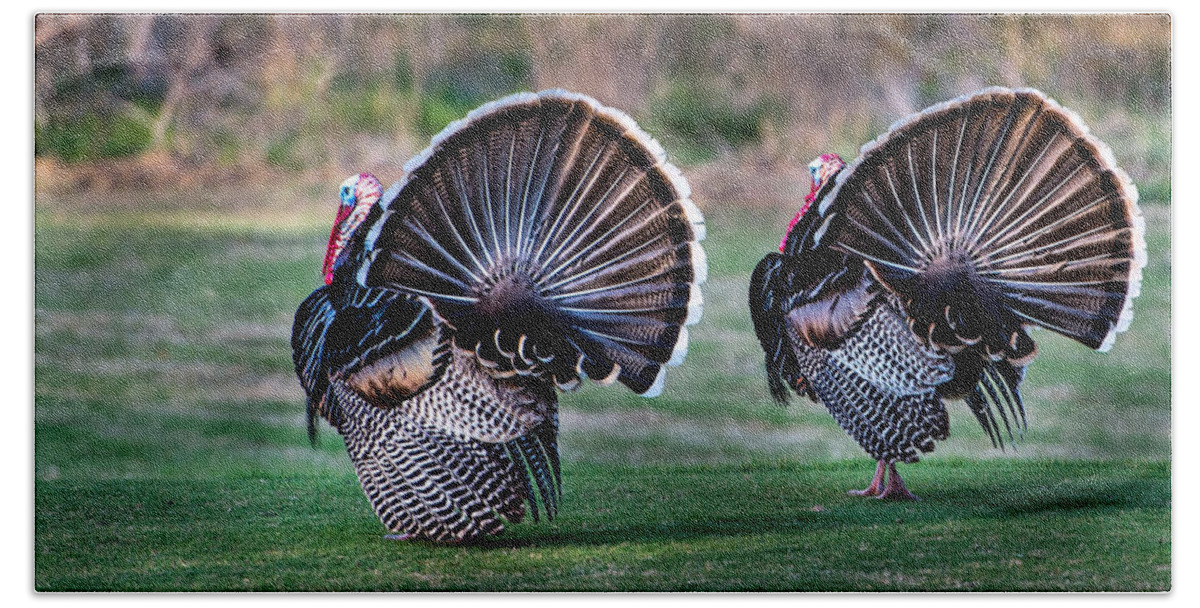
column 744, row 101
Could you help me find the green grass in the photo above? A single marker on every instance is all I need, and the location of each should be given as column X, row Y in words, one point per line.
column 1031, row 525
column 170, row 449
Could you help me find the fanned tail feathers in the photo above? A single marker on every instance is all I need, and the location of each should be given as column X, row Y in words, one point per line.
column 991, row 212
column 554, row 237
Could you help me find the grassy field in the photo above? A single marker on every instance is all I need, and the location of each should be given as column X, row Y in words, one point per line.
column 171, row 451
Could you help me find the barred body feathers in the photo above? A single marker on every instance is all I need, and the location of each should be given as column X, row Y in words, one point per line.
column 912, row 275
column 538, row 242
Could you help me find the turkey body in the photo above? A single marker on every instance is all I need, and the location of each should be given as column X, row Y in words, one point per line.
column 541, row 241
column 443, row 451
column 911, row 276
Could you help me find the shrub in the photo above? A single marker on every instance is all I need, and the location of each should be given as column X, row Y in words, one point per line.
column 92, row 137
column 701, row 122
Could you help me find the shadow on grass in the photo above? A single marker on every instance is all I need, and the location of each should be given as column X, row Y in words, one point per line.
column 1124, row 495
column 952, row 499
column 668, row 532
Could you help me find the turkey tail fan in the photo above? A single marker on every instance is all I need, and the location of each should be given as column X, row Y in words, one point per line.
column 991, row 212
column 554, row 237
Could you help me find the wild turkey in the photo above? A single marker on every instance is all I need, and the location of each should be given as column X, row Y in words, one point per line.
column 541, row 240
column 911, row 276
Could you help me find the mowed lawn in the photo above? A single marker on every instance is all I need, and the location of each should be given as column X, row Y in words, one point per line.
column 171, row 452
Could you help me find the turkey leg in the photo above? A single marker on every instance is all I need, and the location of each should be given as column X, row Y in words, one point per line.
column 876, row 487
column 895, row 489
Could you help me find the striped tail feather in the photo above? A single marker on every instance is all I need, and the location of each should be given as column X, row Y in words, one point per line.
column 996, row 396
column 536, row 453
column 554, row 237
column 992, row 212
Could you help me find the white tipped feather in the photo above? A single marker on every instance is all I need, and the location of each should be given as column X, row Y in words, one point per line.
column 699, row 263
column 695, row 306
column 567, row 95
column 1138, row 228
column 1109, row 340
column 633, row 130
column 693, row 215
column 390, row 195
column 681, row 349
column 376, row 228
column 680, row 184
column 365, row 269
column 567, row 386
column 821, row 229
column 611, row 377
column 656, row 388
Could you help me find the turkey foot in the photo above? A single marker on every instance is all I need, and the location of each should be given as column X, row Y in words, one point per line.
column 876, row 487
column 895, row 489
column 400, row 537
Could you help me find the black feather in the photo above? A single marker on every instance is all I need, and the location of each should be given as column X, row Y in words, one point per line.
column 767, row 316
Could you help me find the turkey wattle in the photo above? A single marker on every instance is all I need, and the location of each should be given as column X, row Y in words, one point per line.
column 912, row 275
column 542, row 240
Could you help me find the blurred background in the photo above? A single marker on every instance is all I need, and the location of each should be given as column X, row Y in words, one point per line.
column 163, row 99
column 187, row 165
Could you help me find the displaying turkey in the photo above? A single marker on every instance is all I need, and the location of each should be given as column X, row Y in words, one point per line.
column 912, row 275
column 542, row 240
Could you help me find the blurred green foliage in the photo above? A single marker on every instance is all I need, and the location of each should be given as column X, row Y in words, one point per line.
column 700, row 122
column 302, row 92
column 93, row 136
column 467, row 81
column 281, row 152
column 707, row 103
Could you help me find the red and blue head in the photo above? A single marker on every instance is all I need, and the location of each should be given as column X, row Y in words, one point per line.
column 358, row 193
column 822, row 170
